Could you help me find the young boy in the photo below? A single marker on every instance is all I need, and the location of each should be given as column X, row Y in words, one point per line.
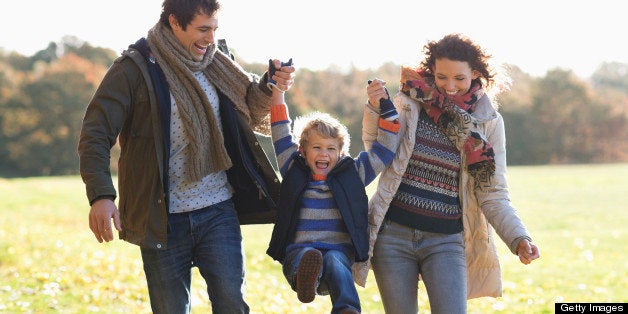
column 322, row 224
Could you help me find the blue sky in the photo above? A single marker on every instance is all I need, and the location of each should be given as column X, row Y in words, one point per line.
column 534, row 35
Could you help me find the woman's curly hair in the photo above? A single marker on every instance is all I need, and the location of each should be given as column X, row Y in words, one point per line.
column 458, row 47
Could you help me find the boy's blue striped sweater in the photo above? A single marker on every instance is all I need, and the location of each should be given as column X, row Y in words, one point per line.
column 319, row 222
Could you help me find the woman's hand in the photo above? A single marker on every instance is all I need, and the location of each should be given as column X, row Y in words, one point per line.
column 527, row 251
column 376, row 91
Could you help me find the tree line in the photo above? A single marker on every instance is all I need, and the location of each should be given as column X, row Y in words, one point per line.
column 555, row 119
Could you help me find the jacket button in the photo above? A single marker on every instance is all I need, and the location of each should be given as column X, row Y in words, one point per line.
column 159, row 201
column 159, row 246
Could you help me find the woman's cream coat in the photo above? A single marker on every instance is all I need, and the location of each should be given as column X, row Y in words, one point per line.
column 482, row 210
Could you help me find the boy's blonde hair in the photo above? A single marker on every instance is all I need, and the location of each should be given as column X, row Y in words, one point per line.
column 325, row 125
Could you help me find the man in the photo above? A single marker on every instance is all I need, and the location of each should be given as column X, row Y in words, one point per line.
column 190, row 169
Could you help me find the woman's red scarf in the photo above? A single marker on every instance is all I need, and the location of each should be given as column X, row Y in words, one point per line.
column 453, row 116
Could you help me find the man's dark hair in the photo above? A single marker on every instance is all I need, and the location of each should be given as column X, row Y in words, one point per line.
column 185, row 10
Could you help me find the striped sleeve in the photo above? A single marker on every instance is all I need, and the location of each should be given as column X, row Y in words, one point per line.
column 370, row 163
column 283, row 142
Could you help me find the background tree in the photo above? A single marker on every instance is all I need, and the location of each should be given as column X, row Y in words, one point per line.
column 610, row 82
column 41, row 123
column 557, row 118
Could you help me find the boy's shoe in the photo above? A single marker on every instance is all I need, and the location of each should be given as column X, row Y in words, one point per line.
column 307, row 275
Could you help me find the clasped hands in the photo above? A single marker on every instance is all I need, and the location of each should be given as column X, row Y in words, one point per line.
column 281, row 75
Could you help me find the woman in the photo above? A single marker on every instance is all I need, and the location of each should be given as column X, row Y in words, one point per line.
column 436, row 204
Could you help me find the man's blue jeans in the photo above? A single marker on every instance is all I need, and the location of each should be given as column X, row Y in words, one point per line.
column 335, row 278
column 210, row 239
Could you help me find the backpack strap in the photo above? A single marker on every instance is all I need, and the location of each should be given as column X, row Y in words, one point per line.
column 222, row 46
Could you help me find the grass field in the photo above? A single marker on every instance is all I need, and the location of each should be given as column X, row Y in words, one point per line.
column 51, row 263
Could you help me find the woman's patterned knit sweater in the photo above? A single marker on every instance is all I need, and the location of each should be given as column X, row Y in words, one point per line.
column 427, row 198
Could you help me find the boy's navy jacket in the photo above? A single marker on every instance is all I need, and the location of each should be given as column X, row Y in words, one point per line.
column 348, row 191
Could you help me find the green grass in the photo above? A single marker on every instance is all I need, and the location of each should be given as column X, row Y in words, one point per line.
column 51, row 263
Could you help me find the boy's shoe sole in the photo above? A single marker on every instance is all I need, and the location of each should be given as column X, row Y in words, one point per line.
column 307, row 275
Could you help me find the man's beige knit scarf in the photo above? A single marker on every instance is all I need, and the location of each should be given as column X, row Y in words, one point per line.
column 206, row 151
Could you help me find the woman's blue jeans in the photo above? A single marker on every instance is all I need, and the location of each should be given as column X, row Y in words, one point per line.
column 402, row 253
column 210, row 239
column 335, row 278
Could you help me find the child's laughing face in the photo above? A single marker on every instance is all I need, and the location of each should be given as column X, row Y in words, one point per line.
column 321, row 153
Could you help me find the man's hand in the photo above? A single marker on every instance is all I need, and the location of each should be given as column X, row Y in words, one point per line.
column 280, row 74
column 100, row 219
